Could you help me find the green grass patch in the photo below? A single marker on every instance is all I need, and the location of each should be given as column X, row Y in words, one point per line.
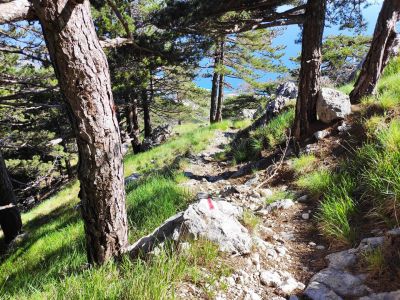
column 316, row 182
column 304, row 163
column 267, row 137
column 274, row 133
column 250, row 220
column 279, row 195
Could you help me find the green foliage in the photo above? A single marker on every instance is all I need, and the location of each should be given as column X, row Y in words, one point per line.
column 152, row 201
column 279, row 195
column 304, row 163
column 250, row 220
column 274, row 133
column 341, row 54
column 316, row 182
column 337, row 209
column 233, row 105
column 192, row 137
column 377, row 167
column 375, row 261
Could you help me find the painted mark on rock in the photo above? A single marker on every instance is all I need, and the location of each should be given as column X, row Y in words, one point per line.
column 210, row 204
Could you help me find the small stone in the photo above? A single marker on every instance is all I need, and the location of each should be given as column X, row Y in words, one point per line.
column 312, row 244
column 281, row 250
column 305, row 216
column 303, row 199
column 321, row 247
column 256, row 195
column 270, row 278
column 290, row 284
column 266, row 192
column 319, row 135
column 251, row 295
column 394, row 232
column 383, row 296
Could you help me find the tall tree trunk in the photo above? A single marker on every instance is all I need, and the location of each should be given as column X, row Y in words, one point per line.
column 214, row 87
column 82, row 71
column 310, row 72
column 146, row 114
column 10, row 218
column 378, row 54
column 218, row 114
column 133, row 123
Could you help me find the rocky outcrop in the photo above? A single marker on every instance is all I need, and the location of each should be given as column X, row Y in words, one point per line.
column 216, row 221
column 337, row 282
column 332, row 105
column 287, row 89
column 248, row 113
column 159, row 135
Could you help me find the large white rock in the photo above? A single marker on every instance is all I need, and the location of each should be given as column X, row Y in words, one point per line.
column 332, row 105
column 217, row 221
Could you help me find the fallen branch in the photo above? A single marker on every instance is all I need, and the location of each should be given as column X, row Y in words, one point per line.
column 6, row 207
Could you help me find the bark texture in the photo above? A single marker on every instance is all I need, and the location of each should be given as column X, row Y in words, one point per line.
column 132, row 118
column 10, row 218
column 82, row 70
column 379, row 53
column 146, row 114
column 214, row 87
column 218, row 114
column 310, row 72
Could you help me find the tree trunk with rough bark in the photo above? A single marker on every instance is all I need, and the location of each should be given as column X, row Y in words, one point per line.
column 82, row 71
column 310, row 72
column 218, row 115
column 133, row 123
column 10, row 218
column 214, row 88
column 146, row 114
column 379, row 52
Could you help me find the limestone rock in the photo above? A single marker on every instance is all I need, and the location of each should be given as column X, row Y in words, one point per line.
column 217, row 221
column 341, row 282
column 287, row 89
column 319, row 291
column 383, row 296
column 270, row 278
column 332, row 105
column 342, row 260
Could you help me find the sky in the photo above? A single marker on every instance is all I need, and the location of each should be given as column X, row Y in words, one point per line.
column 288, row 38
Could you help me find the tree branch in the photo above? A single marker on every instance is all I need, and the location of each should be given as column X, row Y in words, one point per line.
column 17, row 10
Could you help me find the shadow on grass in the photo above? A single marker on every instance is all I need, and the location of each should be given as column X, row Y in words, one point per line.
column 31, row 236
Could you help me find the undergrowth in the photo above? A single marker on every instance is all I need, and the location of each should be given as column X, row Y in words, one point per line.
column 266, row 137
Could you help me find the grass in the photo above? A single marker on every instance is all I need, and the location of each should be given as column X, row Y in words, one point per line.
column 375, row 261
column 267, row 137
column 279, row 195
column 250, row 220
column 316, row 183
column 367, row 187
column 304, row 163
column 50, row 261
column 191, row 138
column 274, row 133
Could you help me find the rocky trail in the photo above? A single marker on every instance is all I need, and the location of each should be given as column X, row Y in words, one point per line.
column 274, row 249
